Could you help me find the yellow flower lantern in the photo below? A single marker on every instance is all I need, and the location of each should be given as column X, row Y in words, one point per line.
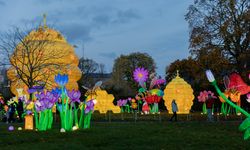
column 182, row 92
column 55, row 50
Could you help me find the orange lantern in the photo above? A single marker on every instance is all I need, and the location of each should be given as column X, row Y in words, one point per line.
column 235, row 97
column 221, row 99
column 29, row 125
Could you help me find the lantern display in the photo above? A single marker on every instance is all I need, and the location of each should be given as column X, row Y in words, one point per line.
column 54, row 53
column 182, row 92
column 29, row 125
column 104, row 101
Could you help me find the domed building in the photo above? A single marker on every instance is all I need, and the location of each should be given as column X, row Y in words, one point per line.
column 41, row 55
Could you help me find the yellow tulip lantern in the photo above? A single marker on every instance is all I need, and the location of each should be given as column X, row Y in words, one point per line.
column 48, row 54
column 182, row 92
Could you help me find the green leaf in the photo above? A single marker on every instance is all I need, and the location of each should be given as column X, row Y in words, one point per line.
column 141, row 90
column 245, row 124
column 247, row 134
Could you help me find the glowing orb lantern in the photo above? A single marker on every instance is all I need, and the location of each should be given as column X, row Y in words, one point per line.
column 51, row 54
column 182, row 92
column 11, row 128
column 104, row 102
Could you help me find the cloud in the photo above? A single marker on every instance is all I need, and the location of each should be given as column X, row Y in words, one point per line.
column 126, row 16
column 76, row 32
column 108, row 55
column 101, row 20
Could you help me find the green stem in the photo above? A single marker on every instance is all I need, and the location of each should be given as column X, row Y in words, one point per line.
column 204, row 108
column 41, row 119
column 36, row 118
column 50, row 121
column 45, row 121
column 62, row 119
column 81, row 122
column 228, row 101
column 70, row 119
column 223, row 111
column 76, row 116
column 87, row 120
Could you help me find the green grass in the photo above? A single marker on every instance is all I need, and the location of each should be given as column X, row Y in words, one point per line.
column 149, row 135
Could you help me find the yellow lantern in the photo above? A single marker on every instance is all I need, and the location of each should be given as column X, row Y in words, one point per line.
column 29, row 122
column 55, row 50
column 182, row 92
column 104, row 101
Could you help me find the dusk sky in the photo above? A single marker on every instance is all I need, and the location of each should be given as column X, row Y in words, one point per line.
column 109, row 28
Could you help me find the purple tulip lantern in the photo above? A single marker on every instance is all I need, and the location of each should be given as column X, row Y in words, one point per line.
column 121, row 102
column 35, row 89
column 90, row 106
column 38, row 106
column 45, row 100
column 74, row 96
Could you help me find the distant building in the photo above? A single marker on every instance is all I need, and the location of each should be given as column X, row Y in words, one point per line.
column 100, row 76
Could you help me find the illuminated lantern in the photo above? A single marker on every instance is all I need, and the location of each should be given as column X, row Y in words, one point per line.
column 55, row 51
column 237, row 83
column 182, row 92
column 235, row 96
column 29, row 122
column 104, row 101
column 54, row 109
column 11, row 128
column 226, row 95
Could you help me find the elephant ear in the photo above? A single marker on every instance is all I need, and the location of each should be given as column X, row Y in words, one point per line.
column 247, row 134
column 245, row 124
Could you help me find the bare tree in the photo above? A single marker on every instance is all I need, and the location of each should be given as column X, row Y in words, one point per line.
column 88, row 67
column 33, row 55
column 101, row 68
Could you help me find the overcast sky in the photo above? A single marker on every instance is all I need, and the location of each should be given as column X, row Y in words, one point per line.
column 109, row 28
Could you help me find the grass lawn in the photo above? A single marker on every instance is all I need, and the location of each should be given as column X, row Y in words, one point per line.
column 151, row 135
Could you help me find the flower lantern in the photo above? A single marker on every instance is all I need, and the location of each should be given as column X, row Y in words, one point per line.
column 61, row 80
column 140, row 75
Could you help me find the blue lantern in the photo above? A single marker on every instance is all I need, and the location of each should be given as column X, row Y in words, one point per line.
column 61, row 79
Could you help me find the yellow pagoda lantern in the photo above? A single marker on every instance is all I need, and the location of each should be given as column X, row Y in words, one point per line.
column 104, row 101
column 182, row 92
column 51, row 54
